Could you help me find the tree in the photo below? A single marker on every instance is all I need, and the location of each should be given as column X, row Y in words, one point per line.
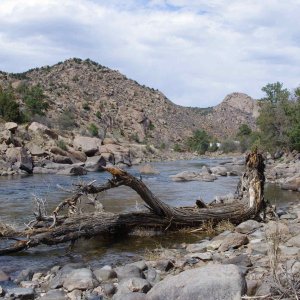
column 244, row 130
column 34, row 99
column 9, row 108
column 275, row 92
column 199, row 142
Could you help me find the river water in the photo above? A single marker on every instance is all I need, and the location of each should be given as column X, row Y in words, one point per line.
column 17, row 194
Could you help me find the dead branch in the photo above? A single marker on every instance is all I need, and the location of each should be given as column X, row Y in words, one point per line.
column 249, row 201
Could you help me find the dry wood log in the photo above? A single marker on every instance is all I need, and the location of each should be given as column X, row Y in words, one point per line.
column 249, row 201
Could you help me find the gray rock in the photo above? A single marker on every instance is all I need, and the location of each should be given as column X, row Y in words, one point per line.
column 210, row 283
column 4, row 276
column 294, row 241
column 239, row 260
column 20, row 293
column 248, row 226
column 203, row 256
column 133, row 285
column 128, row 271
column 152, row 275
column 62, row 159
column 25, row 275
column 259, row 247
column 11, row 126
column 1, row 291
column 73, row 171
column 20, row 158
column 89, row 145
column 201, row 247
column 104, row 274
column 62, row 274
column 289, row 251
column 233, row 240
column 75, row 295
column 54, row 295
column 35, row 150
column 95, row 163
column 219, row 170
column 108, row 289
column 164, row 265
column 193, row 176
column 140, row 264
column 81, row 279
column 130, row 296
column 148, row 169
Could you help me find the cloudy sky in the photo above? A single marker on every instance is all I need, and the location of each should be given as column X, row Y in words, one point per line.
column 194, row 51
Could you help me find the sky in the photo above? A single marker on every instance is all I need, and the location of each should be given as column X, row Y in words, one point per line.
column 195, row 52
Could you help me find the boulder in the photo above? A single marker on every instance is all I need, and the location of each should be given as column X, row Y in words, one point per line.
column 192, row 175
column 38, row 127
column 95, row 163
column 54, row 295
column 20, row 293
column 11, row 126
column 128, row 271
column 248, row 226
column 35, row 150
column 201, row 247
column 58, row 151
column 3, row 276
column 59, row 159
column 104, row 274
column 209, row 282
column 109, row 140
column 148, row 169
column 294, row 241
column 133, row 285
column 233, row 240
column 20, row 158
column 219, row 170
column 81, row 279
column 73, row 171
column 77, row 155
column 130, row 296
column 292, row 184
column 89, row 145
column 6, row 137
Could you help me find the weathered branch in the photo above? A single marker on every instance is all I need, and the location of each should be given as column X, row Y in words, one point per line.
column 248, row 203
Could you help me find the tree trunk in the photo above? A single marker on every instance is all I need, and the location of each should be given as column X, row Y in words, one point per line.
column 248, row 202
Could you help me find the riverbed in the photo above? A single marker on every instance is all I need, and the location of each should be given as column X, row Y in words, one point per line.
column 17, row 196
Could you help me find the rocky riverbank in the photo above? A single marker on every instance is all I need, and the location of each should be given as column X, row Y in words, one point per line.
column 37, row 149
column 254, row 258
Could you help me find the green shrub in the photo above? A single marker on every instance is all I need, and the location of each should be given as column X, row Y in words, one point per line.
column 177, row 148
column 85, row 106
column 228, row 146
column 98, row 114
column 34, row 101
column 62, row 145
column 199, row 142
column 9, row 108
column 93, row 129
column 66, row 121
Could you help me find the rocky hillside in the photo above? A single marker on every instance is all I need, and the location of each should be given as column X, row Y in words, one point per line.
column 81, row 93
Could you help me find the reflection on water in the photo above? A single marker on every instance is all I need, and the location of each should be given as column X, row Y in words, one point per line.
column 17, row 195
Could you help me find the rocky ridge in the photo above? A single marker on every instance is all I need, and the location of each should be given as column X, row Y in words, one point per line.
column 120, row 107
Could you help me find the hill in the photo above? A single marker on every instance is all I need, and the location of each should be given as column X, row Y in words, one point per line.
column 83, row 94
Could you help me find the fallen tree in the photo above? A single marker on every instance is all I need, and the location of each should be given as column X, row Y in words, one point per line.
column 50, row 230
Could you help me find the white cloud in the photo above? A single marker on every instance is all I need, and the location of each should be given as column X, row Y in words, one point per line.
column 194, row 51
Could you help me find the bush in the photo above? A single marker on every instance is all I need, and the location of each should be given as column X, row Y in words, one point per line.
column 9, row 108
column 34, row 101
column 85, row 106
column 213, row 148
column 93, row 129
column 62, row 145
column 199, row 142
column 177, row 148
column 228, row 146
column 66, row 121
column 98, row 114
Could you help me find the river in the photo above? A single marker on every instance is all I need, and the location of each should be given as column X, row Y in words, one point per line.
column 17, row 201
